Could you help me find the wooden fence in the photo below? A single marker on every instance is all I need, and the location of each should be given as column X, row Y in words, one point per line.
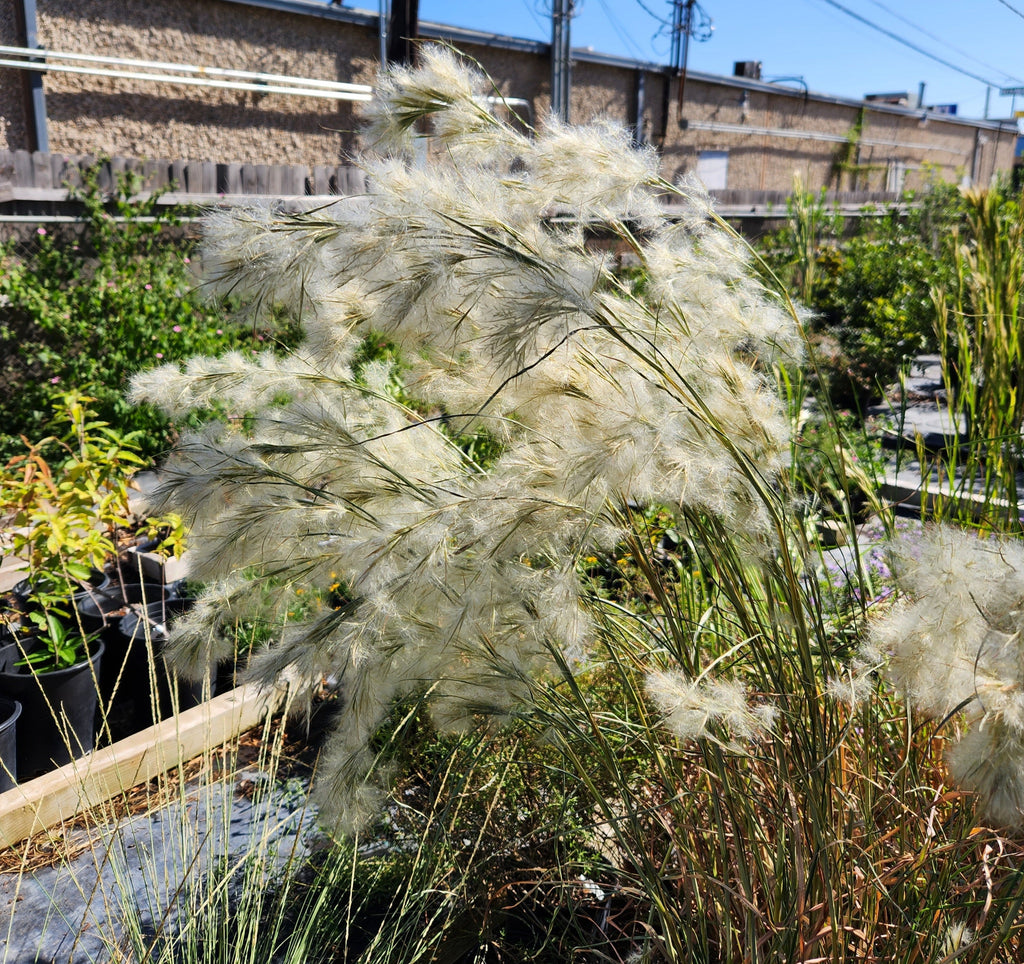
column 26, row 175
column 35, row 176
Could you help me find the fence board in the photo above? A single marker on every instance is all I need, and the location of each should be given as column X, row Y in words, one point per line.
column 322, row 180
column 249, row 179
column 177, row 176
column 24, row 172
column 351, row 180
column 229, row 178
column 41, row 175
column 155, row 174
column 295, row 179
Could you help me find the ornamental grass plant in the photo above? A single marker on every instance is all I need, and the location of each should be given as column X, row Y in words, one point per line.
column 979, row 328
column 539, row 526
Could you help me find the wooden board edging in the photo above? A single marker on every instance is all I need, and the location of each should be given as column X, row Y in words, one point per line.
column 97, row 777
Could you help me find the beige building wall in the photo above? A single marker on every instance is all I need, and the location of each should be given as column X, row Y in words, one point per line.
column 771, row 137
column 13, row 119
column 749, row 135
column 90, row 115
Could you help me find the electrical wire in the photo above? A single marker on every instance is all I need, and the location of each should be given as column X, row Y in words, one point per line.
column 533, row 11
column 910, row 44
column 928, row 33
column 664, row 21
column 1012, row 9
column 620, row 31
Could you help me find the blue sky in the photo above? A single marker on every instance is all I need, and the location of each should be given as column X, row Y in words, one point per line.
column 811, row 39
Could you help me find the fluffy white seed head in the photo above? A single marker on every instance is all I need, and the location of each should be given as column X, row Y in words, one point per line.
column 425, row 569
column 954, row 645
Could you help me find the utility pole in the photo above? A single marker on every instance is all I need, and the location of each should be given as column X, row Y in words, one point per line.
column 403, row 30
column 561, row 58
column 682, row 27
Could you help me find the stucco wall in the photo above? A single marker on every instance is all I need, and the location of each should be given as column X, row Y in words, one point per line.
column 89, row 115
column 13, row 122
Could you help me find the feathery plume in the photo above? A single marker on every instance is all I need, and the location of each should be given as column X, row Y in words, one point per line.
column 460, row 575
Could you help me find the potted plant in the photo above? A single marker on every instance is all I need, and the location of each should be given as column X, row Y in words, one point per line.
column 53, row 672
column 65, row 501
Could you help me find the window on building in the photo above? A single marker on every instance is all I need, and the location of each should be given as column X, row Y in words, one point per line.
column 713, row 169
column 895, row 176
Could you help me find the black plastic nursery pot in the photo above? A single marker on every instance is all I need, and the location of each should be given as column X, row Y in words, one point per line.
column 10, row 710
column 139, row 689
column 105, row 604
column 58, row 709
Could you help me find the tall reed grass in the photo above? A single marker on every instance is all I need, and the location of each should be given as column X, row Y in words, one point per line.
column 979, row 330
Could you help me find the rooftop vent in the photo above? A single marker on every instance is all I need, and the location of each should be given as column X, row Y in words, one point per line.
column 751, row 69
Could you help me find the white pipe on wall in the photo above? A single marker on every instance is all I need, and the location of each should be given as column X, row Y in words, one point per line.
column 195, row 76
column 814, row 136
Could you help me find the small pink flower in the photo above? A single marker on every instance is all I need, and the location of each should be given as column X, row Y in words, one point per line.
column 159, row 354
column 220, row 331
column 149, row 287
column 188, row 261
column 176, row 328
column 40, row 231
column 54, row 380
column 259, row 338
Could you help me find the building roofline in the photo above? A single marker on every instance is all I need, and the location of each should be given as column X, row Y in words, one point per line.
column 457, row 35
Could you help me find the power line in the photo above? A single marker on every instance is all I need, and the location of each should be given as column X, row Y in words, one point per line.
column 928, row 33
column 533, row 12
column 620, row 31
column 912, row 46
column 664, row 21
column 1012, row 8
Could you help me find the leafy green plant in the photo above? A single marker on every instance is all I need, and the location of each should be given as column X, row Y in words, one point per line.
column 869, row 291
column 121, row 278
column 54, row 644
column 66, row 500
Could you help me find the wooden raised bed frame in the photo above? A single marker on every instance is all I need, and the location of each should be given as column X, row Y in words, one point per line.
column 103, row 774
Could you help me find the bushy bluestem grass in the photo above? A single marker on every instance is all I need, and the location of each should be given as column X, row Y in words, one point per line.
column 458, row 577
column 733, row 808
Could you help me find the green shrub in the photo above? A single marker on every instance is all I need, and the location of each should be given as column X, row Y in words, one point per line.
column 876, row 301
column 84, row 308
column 869, row 293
